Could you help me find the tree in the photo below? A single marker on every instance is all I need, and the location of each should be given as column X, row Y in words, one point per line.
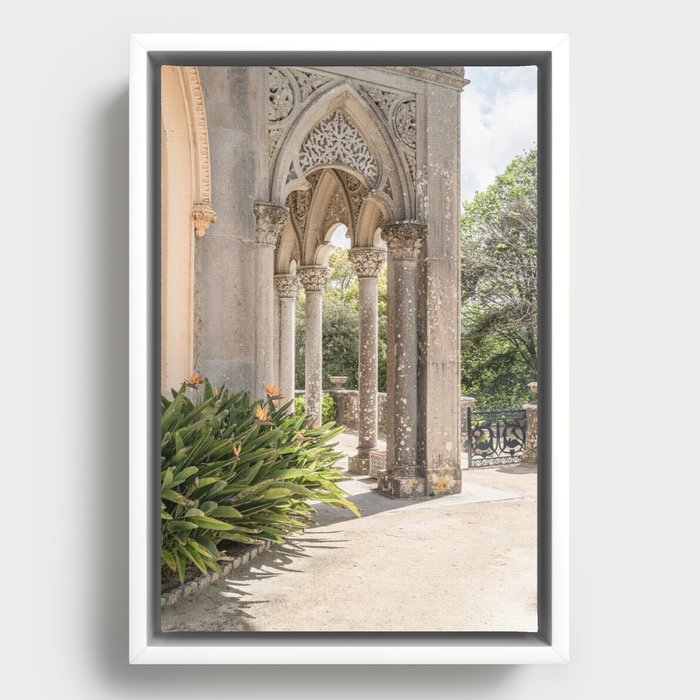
column 499, row 286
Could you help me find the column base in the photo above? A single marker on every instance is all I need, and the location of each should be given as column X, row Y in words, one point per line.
column 369, row 462
column 359, row 464
column 443, row 482
column 406, row 484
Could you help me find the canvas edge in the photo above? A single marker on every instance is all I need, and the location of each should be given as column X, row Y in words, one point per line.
column 140, row 649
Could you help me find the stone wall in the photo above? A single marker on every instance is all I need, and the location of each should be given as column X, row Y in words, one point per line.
column 347, row 405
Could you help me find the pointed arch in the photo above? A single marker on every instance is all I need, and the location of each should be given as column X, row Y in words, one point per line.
column 290, row 170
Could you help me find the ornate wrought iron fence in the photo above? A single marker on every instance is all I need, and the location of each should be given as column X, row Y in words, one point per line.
column 495, row 437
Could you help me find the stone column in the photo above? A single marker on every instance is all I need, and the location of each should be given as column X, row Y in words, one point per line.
column 287, row 286
column 269, row 224
column 367, row 263
column 403, row 477
column 314, row 278
column 530, row 451
column 466, row 404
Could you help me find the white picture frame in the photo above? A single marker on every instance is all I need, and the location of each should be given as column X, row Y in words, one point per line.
column 144, row 646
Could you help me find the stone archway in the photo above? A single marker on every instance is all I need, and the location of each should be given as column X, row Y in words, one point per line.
column 186, row 213
column 393, row 130
column 342, row 166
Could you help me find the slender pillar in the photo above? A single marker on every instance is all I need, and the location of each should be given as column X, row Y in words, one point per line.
column 367, row 263
column 403, row 477
column 287, row 286
column 269, row 224
column 314, row 279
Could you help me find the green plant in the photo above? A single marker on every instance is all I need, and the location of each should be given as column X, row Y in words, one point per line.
column 241, row 471
column 327, row 407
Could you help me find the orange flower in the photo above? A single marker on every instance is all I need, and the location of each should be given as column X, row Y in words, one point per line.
column 262, row 414
column 217, row 392
column 194, row 380
column 315, row 426
column 272, row 391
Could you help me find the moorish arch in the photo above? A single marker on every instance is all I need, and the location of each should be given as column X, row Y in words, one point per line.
column 374, row 148
column 337, row 127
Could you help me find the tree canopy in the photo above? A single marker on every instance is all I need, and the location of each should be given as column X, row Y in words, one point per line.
column 499, row 287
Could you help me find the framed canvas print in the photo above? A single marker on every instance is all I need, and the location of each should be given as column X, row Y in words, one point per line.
column 349, row 339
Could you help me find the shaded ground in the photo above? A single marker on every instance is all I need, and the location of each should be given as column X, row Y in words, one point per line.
column 460, row 563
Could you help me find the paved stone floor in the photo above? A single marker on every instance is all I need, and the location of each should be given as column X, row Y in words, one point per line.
column 465, row 562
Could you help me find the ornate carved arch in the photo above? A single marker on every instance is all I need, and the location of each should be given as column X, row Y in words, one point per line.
column 338, row 127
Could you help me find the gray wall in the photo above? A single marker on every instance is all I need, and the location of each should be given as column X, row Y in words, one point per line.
column 225, row 309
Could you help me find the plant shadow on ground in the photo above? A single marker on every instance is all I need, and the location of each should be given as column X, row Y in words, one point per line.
column 280, row 559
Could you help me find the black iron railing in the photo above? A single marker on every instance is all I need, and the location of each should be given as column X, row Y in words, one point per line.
column 495, row 437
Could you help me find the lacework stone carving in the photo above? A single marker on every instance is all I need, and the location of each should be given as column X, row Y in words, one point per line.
column 287, row 286
column 367, row 261
column 289, row 88
column 314, row 277
column 356, row 192
column 404, row 239
column 299, row 202
column 411, row 162
column 270, row 220
column 384, row 100
column 405, row 123
column 336, row 141
column 281, row 96
column 336, row 212
column 308, row 82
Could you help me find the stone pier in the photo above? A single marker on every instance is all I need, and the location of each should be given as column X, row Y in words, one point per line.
column 404, row 477
column 314, row 278
column 269, row 224
column 367, row 263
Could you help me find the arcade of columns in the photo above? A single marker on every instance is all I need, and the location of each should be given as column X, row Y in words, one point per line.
column 374, row 148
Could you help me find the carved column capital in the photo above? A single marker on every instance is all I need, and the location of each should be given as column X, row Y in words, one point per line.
column 367, row 261
column 287, row 286
column 314, row 277
column 404, row 239
column 203, row 215
column 269, row 222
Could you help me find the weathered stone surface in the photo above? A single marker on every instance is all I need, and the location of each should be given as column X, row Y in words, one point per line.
column 375, row 148
column 404, row 241
column 401, row 485
column 367, row 263
column 314, row 279
column 530, row 451
column 287, row 287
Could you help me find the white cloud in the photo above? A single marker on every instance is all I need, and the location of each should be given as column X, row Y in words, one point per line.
column 499, row 121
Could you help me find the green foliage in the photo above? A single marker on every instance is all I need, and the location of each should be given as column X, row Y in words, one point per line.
column 499, row 287
column 240, row 471
column 327, row 407
column 341, row 323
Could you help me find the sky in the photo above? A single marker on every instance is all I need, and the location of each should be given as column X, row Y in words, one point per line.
column 499, row 122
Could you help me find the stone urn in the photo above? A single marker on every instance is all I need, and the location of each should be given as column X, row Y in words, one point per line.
column 338, row 382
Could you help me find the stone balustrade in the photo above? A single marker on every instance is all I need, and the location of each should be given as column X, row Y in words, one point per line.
column 347, row 406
